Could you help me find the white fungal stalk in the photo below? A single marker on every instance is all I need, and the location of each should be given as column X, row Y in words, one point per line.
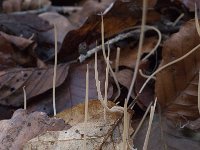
column 25, row 100
column 106, row 82
column 100, row 97
column 141, row 122
column 117, row 59
column 55, row 69
column 86, row 107
column 125, row 131
column 104, row 55
column 149, row 126
column 139, row 49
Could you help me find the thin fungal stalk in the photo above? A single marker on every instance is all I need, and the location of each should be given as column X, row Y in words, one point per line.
column 106, row 82
column 141, row 122
column 139, row 49
column 144, row 75
column 55, row 70
column 157, row 44
column 125, row 131
column 178, row 19
column 86, row 107
column 100, row 97
column 25, row 99
column 149, row 126
column 117, row 59
column 104, row 55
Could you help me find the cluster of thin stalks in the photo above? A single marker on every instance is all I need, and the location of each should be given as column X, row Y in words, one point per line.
column 109, row 69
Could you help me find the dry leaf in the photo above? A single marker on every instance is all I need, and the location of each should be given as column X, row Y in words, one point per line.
column 35, row 80
column 22, row 127
column 165, row 136
column 100, row 134
column 176, row 86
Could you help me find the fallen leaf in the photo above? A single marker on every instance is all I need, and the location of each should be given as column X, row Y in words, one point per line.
column 100, row 134
column 35, row 80
column 122, row 15
column 22, row 127
column 176, row 86
column 164, row 135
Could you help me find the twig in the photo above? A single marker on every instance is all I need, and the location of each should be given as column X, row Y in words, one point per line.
column 54, row 72
column 149, row 126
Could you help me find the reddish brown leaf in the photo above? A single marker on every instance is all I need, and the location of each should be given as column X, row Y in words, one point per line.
column 176, row 86
column 121, row 16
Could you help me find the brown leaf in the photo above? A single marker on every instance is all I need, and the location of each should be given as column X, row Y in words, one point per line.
column 176, row 86
column 22, row 127
column 121, row 16
column 35, row 80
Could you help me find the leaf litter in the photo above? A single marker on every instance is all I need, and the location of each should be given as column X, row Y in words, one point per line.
column 176, row 81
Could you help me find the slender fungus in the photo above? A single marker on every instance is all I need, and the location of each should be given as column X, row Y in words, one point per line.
column 100, row 97
column 178, row 19
column 24, row 90
column 117, row 60
column 125, row 131
column 141, row 122
column 139, row 49
column 54, row 72
column 86, row 107
column 149, row 126
column 104, row 55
